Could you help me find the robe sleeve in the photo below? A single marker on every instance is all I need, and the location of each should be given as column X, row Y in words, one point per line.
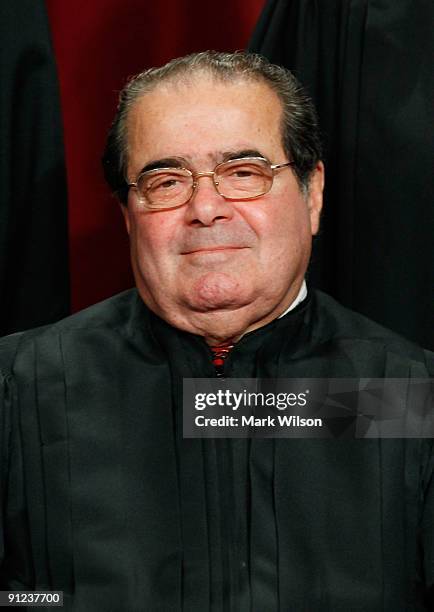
column 428, row 510
column 428, row 534
column 6, row 401
column 16, row 569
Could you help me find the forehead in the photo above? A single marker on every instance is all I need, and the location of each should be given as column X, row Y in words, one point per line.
column 202, row 119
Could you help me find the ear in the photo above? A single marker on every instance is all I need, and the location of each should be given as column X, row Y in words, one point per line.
column 126, row 216
column 315, row 197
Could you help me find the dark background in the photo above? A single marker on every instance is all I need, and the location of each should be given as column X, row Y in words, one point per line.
column 368, row 66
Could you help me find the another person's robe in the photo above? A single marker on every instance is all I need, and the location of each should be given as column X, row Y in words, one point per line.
column 104, row 499
column 368, row 66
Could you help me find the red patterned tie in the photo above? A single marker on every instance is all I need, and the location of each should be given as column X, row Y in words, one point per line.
column 220, row 353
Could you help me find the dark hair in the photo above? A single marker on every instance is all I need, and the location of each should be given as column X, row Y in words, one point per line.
column 300, row 133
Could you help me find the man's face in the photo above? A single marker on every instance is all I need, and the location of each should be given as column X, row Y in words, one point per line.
column 215, row 267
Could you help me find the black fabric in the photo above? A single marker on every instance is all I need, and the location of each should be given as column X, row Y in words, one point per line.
column 368, row 67
column 104, row 499
column 34, row 276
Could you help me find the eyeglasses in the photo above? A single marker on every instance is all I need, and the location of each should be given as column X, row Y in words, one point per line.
column 237, row 179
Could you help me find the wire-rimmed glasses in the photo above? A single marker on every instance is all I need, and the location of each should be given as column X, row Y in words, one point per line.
column 237, row 179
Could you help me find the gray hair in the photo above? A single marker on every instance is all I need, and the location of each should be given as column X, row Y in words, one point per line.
column 300, row 132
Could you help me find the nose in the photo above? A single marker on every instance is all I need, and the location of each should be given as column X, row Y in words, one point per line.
column 206, row 205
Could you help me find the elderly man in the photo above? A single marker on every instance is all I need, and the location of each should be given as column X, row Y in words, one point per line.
column 216, row 161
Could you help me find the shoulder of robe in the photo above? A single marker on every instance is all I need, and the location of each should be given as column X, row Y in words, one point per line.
column 111, row 314
column 338, row 322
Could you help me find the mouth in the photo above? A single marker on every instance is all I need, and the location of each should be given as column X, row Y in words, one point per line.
column 213, row 249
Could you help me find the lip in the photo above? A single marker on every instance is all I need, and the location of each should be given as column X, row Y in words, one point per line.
column 213, row 249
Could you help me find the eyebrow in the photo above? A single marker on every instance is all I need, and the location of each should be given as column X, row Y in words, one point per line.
column 181, row 162
column 229, row 155
column 165, row 162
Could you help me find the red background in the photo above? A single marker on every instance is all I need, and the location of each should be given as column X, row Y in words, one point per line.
column 97, row 45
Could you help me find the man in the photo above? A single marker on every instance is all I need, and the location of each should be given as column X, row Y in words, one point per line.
column 216, row 160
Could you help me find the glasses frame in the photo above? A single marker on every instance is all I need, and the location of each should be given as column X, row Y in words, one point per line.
column 211, row 174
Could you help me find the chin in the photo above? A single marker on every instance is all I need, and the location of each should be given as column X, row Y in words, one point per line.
column 217, row 291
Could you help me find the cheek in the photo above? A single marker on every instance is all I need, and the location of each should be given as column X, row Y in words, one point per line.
column 280, row 224
column 154, row 234
column 285, row 240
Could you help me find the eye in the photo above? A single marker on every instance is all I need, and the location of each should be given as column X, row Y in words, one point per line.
column 242, row 172
column 164, row 182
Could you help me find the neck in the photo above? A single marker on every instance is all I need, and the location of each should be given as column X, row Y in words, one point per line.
column 226, row 325
column 226, row 328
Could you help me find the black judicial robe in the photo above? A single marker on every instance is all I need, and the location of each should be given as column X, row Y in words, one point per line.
column 104, row 499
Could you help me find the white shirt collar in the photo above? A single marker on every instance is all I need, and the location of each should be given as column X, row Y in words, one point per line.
column 300, row 297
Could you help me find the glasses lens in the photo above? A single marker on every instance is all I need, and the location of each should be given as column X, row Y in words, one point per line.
column 242, row 179
column 165, row 187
